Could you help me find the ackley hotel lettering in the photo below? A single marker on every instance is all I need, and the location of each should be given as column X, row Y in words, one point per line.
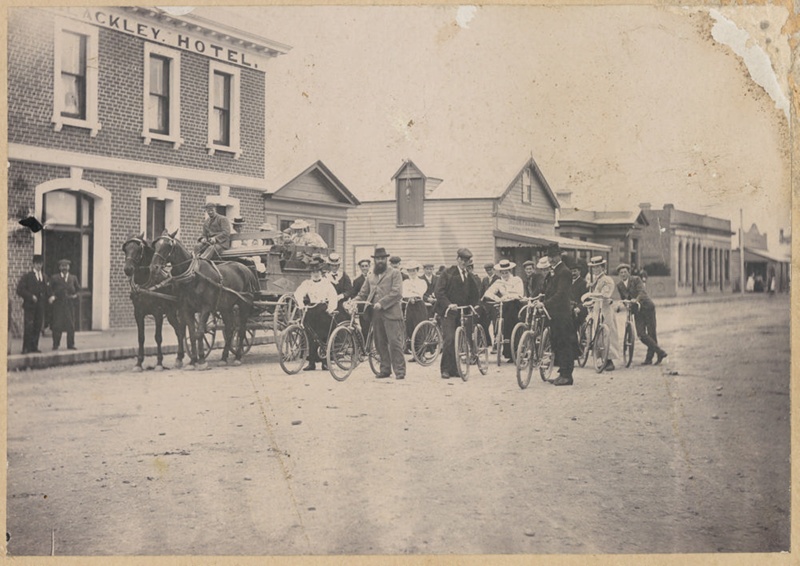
column 126, row 23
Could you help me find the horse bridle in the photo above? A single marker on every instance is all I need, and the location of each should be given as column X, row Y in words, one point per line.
column 142, row 245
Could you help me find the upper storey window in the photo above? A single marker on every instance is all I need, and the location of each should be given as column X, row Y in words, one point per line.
column 75, row 81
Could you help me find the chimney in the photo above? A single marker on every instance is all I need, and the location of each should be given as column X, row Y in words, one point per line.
column 669, row 206
column 644, row 205
column 565, row 199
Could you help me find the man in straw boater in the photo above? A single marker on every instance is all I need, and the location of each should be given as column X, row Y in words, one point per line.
column 318, row 295
column 508, row 290
column 63, row 293
column 383, row 289
column 454, row 287
column 563, row 337
column 602, row 290
column 32, row 287
column 216, row 236
column 631, row 288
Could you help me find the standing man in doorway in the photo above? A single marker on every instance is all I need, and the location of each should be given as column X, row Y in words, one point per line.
column 32, row 287
column 63, row 293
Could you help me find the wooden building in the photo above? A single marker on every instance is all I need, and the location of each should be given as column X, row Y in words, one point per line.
column 761, row 264
column 427, row 218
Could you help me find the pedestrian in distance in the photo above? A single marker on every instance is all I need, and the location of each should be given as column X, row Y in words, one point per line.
column 318, row 296
column 631, row 288
column 63, row 296
column 430, row 287
column 383, row 289
column 33, row 288
column 563, row 338
column 454, row 287
column 602, row 290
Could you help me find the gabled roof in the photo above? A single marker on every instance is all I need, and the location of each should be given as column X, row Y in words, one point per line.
column 602, row 217
column 531, row 163
column 348, row 197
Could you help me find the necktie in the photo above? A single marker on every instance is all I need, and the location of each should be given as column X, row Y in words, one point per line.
column 462, row 275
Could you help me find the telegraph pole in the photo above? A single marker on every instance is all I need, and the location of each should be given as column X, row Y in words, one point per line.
column 741, row 251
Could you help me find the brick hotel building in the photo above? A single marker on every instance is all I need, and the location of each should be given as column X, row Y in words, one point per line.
column 121, row 121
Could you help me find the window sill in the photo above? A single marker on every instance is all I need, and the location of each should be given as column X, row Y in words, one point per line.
column 213, row 149
column 176, row 140
column 410, row 225
column 93, row 126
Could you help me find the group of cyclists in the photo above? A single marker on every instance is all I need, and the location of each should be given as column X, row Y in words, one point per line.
column 576, row 296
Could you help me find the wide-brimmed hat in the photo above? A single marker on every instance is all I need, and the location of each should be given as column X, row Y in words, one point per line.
column 380, row 252
column 596, row 261
column 464, row 253
column 299, row 225
column 64, row 262
column 413, row 265
column 334, row 259
column 553, row 250
column 623, row 266
column 267, row 227
column 395, row 259
column 543, row 263
column 504, row 265
column 37, row 258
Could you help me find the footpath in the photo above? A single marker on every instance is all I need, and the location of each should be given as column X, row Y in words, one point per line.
column 122, row 343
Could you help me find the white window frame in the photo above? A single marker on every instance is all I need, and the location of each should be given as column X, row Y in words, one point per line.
column 231, row 204
column 235, row 145
column 92, row 121
column 174, row 56
column 172, row 209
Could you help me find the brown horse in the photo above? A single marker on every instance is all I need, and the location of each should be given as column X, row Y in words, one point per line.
column 138, row 255
column 204, row 287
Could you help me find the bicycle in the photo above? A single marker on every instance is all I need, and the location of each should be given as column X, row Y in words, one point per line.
column 630, row 334
column 469, row 351
column 535, row 350
column 294, row 347
column 426, row 341
column 499, row 341
column 600, row 343
column 347, row 347
column 525, row 323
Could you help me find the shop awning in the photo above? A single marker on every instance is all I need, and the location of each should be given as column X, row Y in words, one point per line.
column 512, row 240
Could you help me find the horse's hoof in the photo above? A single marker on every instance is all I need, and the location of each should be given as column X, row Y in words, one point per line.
column 159, row 367
column 203, row 366
column 137, row 369
column 188, row 368
column 237, row 362
column 178, row 364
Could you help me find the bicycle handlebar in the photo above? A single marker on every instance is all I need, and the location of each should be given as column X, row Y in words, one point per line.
column 453, row 306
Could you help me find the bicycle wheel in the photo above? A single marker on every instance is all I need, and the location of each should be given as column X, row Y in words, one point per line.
column 498, row 339
column 585, row 342
column 627, row 345
column 516, row 338
column 481, row 350
column 546, row 357
column 462, row 353
column 525, row 358
column 601, row 347
column 426, row 342
column 285, row 314
column 342, row 354
column 293, row 349
column 372, row 353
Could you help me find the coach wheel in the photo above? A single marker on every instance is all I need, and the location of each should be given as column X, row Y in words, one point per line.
column 341, row 353
column 627, row 345
column 210, row 334
column 247, row 340
column 293, row 349
column 545, row 356
column 286, row 313
column 426, row 342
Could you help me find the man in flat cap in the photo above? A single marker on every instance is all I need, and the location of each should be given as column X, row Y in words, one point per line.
column 383, row 289
column 455, row 286
column 216, row 236
column 631, row 288
column 63, row 295
column 562, row 329
column 32, row 287
column 396, row 263
column 364, row 265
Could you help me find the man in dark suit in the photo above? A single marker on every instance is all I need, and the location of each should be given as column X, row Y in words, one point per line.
column 562, row 330
column 535, row 284
column 631, row 288
column 579, row 269
column 32, row 287
column 358, row 282
column 395, row 263
column 340, row 280
column 216, row 236
column 383, row 289
column 63, row 294
column 457, row 287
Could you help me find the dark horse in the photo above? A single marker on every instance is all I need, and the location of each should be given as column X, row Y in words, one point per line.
column 138, row 255
column 203, row 287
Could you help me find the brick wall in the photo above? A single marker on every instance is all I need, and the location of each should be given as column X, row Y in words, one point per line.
column 120, row 102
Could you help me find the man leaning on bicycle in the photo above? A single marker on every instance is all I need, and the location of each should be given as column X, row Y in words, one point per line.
column 631, row 287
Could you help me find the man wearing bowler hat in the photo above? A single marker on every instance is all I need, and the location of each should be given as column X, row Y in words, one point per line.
column 454, row 287
column 32, row 287
column 383, row 289
column 562, row 330
column 216, row 236
column 63, row 294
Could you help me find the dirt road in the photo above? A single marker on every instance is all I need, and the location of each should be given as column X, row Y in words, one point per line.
column 692, row 456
